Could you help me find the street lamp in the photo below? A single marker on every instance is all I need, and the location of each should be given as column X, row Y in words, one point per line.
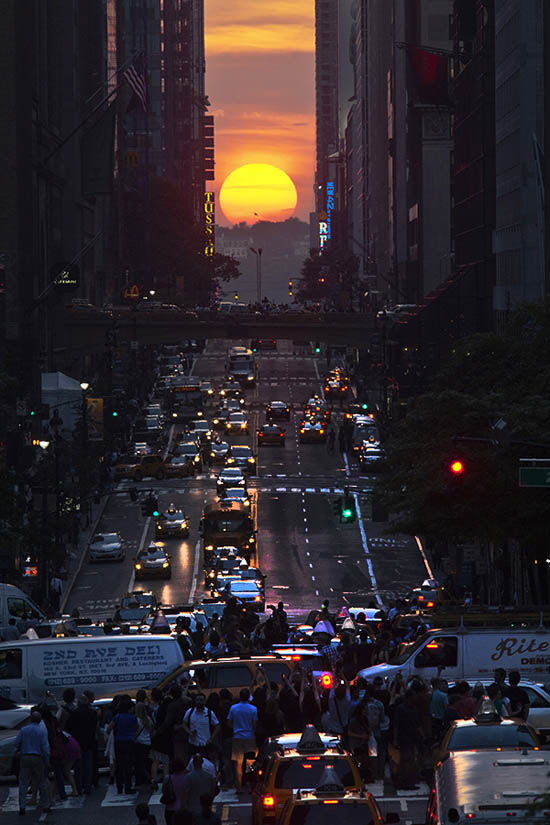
column 44, row 444
column 84, row 386
column 152, row 292
column 258, row 254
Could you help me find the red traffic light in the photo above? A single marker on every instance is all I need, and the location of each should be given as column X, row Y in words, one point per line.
column 457, row 467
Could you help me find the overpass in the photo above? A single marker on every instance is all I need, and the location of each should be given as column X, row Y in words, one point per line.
column 78, row 330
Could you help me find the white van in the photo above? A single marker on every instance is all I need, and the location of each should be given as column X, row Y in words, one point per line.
column 473, row 653
column 14, row 604
column 104, row 664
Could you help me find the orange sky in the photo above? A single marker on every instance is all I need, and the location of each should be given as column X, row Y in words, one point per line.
column 260, row 81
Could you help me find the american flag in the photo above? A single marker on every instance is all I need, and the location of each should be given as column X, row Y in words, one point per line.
column 135, row 78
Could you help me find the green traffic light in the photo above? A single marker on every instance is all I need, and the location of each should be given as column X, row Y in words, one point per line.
column 115, row 414
column 32, row 412
column 156, row 513
column 347, row 513
column 364, row 406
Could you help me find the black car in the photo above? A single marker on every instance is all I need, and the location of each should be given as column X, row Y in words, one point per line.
column 219, row 421
column 219, row 452
column 277, row 411
column 271, row 434
column 242, row 457
column 190, row 450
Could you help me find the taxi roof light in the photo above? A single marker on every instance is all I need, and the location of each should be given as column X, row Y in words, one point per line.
column 269, row 801
column 330, row 783
column 487, row 711
column 310, row 741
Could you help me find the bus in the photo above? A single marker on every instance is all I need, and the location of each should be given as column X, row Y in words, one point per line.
column 227, row 524
column 186, row 398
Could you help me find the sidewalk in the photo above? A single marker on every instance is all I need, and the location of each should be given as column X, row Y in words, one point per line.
column 78, row 554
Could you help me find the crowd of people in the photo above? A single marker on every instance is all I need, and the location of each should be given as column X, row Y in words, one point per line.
column 189, row 744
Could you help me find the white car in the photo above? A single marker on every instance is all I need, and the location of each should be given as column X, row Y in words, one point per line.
column 248, row 592
column 107, row 547
column 539, row 701
column 230, row 477
column 237, row 423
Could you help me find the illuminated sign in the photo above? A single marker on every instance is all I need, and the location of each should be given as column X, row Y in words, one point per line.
column 209, row 223
column 330, row 209
column 323, row 233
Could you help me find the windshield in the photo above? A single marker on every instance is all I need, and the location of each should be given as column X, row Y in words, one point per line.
column 227, row 523
column 406, row 650
column 151, row 555
column 306, row 773
column 353, row 814
column 248, row 587
column 491, row 736
column 240, row 452
column 231, row 474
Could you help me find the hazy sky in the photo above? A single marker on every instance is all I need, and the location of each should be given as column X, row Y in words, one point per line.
column 260, row 80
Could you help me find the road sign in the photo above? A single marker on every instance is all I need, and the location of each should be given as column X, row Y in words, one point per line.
column 534, row 476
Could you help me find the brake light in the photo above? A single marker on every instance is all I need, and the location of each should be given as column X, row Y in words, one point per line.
column 430, row 604
column 313, row 758
column 269, row 801
column 326, row 680
column 307, row 767
column 432, row 646
column 331, row 802
column 295, row 658
column 281, row 435
column 421, row 598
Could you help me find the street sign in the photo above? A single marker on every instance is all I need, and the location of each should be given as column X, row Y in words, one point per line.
column 534, row 476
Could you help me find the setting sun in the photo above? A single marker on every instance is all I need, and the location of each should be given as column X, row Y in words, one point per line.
column 258, row 191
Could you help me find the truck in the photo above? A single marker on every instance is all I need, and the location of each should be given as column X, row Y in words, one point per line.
column 15, row 604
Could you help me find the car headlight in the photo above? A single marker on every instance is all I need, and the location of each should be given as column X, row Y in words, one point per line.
column 197, row 459
column 250, row 378
column 166, row 564
column 216, row 421
column 243, row 425
column 174, row 415
column 138, row 566
column 159, row 526
column 252, row 540
column 209, row 547
column 212, row 455
column 257, row 599
column 230, row 460
column 251, row 460
column 211, row 575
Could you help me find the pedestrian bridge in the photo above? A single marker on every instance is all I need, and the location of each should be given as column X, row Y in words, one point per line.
column 78, row 330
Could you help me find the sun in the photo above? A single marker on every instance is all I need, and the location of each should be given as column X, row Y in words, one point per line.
column 257, row 191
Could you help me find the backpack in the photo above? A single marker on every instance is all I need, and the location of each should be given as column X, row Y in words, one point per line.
column 188, row 713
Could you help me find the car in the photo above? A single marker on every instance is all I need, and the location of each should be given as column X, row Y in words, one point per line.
column 134, row 607
column 235, row 494
column 396, row 311
column 220, row 419
column 236, row 423
column 219, row 452
column 263, row 344
column 107, row 547
column 155, row 410
column 245, row 375
column 277, row 411
column 232, row 405
column 207, row 389
column 180, row 466
column 232, row 389
column 140, row 466
column 487, row 731
column 232, row 672
column 172, row 523
column 335, row 387
column 299, row 766
column 142, row 448
column 370, row 457
column 271, row 434
column 351, row 807
column 243, row 457
column 191, row 451
column 318, row 407
column 246, row 592
column 312, row 430
column 539, row 702
column 201, row 430
column 153, row 561
column 230, row 477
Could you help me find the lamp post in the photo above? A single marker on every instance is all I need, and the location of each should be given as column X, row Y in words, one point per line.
column 56, row 422
column 84, row 386
column 43, row 569
column 258, row 254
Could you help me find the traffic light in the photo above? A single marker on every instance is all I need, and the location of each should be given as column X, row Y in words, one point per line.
column 150, row 506
column 115, row 414
column 364, row 405
column 456, row 467
column 337, row 507
column 290, row 287
column 317, row 347
column 349, row 513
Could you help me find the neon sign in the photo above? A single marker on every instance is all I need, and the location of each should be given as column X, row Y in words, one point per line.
column 323, row 233
column 210, row 222
column 330, row 209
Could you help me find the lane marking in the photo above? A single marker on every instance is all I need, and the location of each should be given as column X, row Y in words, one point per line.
column 366, row 549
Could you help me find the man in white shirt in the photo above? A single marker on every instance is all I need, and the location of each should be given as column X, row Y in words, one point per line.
column 201, row 723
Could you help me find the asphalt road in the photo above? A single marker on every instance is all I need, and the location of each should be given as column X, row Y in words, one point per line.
column 303, row 550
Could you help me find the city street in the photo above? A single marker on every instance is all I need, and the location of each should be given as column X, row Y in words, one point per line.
column 305, row 553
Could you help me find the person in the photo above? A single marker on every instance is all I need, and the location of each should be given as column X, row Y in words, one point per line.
column 160, row 746
column 56, row 588
column 207, row 816
column 339, row 708
column 197, row 783
column 142, row 744
column 517, row 696
column 171, row 730
column 208, row 762
column 175, row 778
column 466, row 705
column 68, row 706
column 406, row 739
column 438, row 703
column 201, row 724
column 359, row 736
column 32, row 742
column 144, row 815
column 124, row 727
column 243, row 717
column 11, row 632
column 82, row 724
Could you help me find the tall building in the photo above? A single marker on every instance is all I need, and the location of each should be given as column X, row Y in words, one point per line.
column 519, row 100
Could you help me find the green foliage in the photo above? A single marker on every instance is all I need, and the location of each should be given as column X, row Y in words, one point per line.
column 327, row 276
column 487, row 377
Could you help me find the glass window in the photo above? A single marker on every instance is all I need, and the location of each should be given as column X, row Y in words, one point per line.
column 491, row 736
column 22, row 609
column 232, row 676
column 535, row 699
column 275, row 670
column 439, row 652
column 306, row 773
column 11, row 663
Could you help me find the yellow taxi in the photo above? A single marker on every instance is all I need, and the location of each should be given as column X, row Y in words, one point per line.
column 330, row 803
column 299, row 766
column 488, row 731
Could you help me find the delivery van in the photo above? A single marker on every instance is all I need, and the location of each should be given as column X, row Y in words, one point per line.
column 104, row 664
column 14, row 604
column 472, row 653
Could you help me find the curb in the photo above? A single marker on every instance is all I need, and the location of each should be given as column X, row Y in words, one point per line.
column 91, row 530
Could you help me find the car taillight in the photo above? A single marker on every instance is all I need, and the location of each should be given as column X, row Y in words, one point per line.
column 269, row 801
column 281, row 435
column 430, row 604
column 331, row 802
column 326, row 680
column 295, row 658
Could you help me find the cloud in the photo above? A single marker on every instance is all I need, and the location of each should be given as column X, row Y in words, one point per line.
column 249, row 26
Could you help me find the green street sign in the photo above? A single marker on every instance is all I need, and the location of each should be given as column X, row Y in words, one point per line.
column 534, row 476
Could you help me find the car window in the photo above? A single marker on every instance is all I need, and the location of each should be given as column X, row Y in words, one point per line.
column 535, row 698
column 306, row 773
column 232, row 676
column 21, row 609
column 439, row 652
column 491, row 736
column 275, row 670
column 11, row 663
